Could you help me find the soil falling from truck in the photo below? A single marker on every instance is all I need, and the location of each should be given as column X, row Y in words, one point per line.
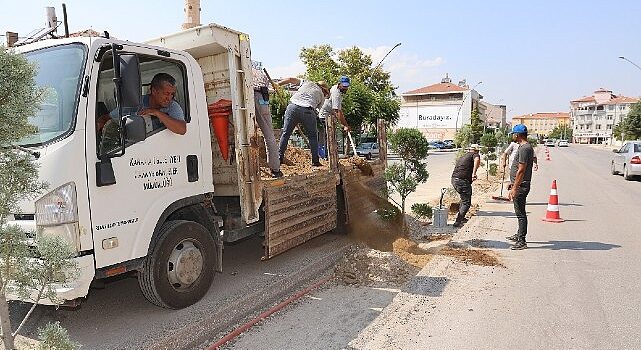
column 367, row 227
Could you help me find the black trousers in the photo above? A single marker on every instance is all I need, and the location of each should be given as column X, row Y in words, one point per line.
column 464, row 189
column 519, row 209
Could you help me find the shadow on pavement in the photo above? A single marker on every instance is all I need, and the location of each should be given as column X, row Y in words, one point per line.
column 560, row 204
column 572, row 245
column 426, row 285
column 492, row 244
column 507, row 214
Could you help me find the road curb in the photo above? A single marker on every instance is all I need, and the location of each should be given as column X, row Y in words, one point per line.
column 201, row 334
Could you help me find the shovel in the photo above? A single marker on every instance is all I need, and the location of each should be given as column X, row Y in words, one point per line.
column 501, row 198
column 360, row 163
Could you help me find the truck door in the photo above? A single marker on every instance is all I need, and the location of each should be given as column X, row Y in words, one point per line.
column 151, row 174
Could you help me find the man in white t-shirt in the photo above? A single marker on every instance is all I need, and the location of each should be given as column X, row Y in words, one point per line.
column 511, row 152
column 302, row 110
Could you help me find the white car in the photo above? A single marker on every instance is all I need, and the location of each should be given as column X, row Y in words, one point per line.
column 563, row 143
column 549, row 142
column 367, row 149
column 627, row 160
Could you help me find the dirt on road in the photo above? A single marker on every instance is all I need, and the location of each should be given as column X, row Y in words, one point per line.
column 386, row 254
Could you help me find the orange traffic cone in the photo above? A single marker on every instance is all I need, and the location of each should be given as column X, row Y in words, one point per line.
column 547, row 156
column 220, row 124
column 553, row 214
column 219, row 112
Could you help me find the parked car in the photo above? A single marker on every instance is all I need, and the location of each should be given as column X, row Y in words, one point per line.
column 437, row 145
column 449, row 144
column 367, row 149
column 563, row 143
column 549, row 142
column 627, row 160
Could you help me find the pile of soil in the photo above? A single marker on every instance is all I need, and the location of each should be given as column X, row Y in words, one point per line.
column 482, row 257
column 383, row 253
column 363, row 266
column 297, row 161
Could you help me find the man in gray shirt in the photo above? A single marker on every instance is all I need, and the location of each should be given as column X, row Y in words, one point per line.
column 333, row 107
column 520, row 176
column 260, row 82
column 302, row 110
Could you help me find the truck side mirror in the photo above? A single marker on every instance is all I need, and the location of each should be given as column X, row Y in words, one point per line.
column 130, row 86
column 135, row 129
column 615, row 150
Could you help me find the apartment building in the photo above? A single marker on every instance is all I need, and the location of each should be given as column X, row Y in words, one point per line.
column 542, row 124
column 594, row 116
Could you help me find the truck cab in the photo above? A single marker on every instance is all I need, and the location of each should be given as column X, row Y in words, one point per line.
column 130, row 195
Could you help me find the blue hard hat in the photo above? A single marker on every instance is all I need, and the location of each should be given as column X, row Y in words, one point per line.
column 519, row 129
column 344, row 81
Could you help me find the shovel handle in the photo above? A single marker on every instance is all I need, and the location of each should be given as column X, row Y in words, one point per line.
column 351, row 141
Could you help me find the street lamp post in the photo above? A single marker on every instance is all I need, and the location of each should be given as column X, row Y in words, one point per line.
column 384, row 57
column 632, row 63
column 639, row 68
column 458, row 113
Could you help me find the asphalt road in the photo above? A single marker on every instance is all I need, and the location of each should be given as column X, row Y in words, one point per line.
column 576, row 287
column 119, row 317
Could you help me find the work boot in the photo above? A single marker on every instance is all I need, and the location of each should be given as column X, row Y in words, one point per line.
column 513, row 238
column 317, row 164
column 457, row 223
column 519, row 245
column 277, row 173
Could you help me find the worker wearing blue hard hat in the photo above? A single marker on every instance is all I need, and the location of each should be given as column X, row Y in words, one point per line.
column 333, row 107
column 520, row 176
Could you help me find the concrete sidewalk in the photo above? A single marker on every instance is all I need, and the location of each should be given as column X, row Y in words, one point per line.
column 422, row 316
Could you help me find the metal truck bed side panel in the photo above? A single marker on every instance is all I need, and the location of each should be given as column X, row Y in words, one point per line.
column 297, row 209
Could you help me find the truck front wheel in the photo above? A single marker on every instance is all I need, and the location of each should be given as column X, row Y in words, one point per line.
column 180, row 268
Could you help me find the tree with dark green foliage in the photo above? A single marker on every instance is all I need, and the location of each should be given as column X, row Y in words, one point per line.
column 470, row 133
column 369, row 96
column 422, row 211
column 561, row 132
column 404, row 176
column 278, row 102
column 488, row 150
column 19, row 275
column 630, row 127
column 463, row 138
column 503, row 136
column 476, row 126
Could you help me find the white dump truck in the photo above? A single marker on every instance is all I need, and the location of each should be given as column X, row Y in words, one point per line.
column 157, row 204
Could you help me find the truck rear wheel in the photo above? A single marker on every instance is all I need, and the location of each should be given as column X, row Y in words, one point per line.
column 180, row 268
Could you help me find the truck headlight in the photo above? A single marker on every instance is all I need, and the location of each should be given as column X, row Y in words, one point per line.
column 57, row 214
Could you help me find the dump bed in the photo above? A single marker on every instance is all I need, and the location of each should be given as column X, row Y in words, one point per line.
column 224, row 58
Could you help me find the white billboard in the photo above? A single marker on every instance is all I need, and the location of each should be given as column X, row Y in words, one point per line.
column 428, row 117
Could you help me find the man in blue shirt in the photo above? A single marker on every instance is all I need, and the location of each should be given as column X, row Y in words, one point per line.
column 158, row 103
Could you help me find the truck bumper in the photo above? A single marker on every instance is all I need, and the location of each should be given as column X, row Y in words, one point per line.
column 77, row 288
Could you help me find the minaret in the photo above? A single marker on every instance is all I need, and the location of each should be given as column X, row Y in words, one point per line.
column 192, row 14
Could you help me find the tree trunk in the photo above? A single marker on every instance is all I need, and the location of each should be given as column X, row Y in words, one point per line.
column 5, row 322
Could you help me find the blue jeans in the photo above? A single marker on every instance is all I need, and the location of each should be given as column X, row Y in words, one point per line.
column 519, row 209
column 464, row 189
column 295, row 115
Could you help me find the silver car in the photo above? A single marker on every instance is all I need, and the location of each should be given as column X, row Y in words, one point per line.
column 627, row 160
column 367, row 149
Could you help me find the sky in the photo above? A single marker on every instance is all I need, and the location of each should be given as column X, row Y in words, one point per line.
column 532, row 56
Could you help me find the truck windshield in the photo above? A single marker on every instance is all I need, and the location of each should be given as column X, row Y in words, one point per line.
column 59, row 72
